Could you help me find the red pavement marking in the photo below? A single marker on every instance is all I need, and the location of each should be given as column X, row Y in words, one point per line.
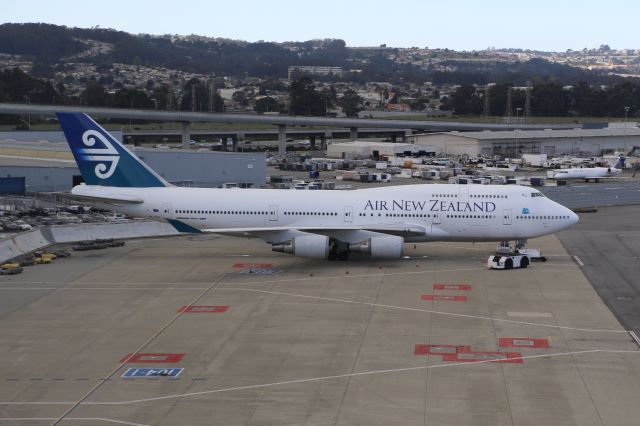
column 522, row 342
column 153, row 358
column 253, row 265
column 203, row 309
column 439, row 298
column 457, row 287
column 440, row 349
column 509, row 357
column 463, row 353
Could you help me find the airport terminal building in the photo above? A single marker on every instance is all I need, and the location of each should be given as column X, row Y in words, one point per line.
column 511, row 143
column 365, row 150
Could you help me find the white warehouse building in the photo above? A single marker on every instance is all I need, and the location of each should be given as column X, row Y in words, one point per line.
column 366, row 150
column 511, row 143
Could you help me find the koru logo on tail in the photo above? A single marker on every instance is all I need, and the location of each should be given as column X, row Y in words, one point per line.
column 107, row 157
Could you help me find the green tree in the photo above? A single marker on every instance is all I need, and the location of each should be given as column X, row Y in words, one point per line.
column 498, row 95
column 587, row 101
column 623, row 95
column 267, row 104
column 465, row 101
column 305, row 100
column 131, row 98
column 202, row 100
column 351, row 103
column 94, row 94
column 163, row 97
column 330, row 95
column 550, row 100
column 240, row 97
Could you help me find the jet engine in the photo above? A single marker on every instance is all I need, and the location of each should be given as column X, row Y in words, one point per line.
column 316, row 246
column 387, row 246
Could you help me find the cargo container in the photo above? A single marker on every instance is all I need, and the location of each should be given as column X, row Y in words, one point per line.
column 12, row 185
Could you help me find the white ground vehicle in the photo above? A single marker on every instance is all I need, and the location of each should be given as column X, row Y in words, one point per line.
column 23, row 225
column 513, row 261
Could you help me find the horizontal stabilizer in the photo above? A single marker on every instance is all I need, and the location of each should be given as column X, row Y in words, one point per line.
column 119, row 200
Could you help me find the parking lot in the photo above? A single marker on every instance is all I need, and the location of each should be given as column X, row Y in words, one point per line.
column 216, row 330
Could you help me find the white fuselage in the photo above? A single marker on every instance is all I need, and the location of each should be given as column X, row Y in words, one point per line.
column 585, row 173
column 445, row 212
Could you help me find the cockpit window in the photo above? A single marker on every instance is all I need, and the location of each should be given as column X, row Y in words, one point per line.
column 536, row 194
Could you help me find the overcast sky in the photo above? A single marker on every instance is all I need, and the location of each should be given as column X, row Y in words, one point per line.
column 462, row 25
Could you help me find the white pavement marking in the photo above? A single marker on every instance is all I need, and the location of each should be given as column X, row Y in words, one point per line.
column 530, row 314
column 634, row 336
column 316, row 379
column 578, row 261
column 100, row 419
column 140, row 348
column 380, row 305
column 308, row 278
column 328, row 299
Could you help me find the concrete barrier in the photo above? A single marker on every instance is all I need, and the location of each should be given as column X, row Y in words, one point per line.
column 21, row 244
column 39, row 238
column 94, row 231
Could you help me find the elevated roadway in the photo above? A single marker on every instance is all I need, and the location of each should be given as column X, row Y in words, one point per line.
column 313, row 134
column 282, row 121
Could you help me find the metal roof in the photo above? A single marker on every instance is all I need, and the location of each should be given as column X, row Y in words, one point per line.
column 543, row 134
column 365, row 144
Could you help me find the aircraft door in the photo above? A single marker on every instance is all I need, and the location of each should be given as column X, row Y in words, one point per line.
column 273, row 213
column 348, row 214
column 463, row 193
column 506, row 217
column 167, row 210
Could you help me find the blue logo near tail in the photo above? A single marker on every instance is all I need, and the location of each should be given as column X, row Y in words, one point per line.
column 103, row 160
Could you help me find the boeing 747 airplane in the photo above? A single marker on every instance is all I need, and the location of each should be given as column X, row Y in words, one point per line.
column 318, row 224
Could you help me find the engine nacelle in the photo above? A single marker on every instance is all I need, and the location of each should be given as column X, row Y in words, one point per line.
column 387, row 246
column 315, row 246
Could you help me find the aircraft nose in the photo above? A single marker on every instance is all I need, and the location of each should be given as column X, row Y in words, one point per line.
column 573, row 217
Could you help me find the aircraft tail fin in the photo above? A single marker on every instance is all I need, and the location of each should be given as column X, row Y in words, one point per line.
column 102, row 159
column 620, row 163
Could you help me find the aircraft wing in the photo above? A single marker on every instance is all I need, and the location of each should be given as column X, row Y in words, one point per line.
column 119, row 200
column 407, row 230
column 399, row 230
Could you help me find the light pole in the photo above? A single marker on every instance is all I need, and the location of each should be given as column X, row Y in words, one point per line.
column 626, row 113
column 516, row 130
column 28, row 99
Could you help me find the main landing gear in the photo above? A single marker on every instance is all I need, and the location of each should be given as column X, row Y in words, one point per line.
column 338, row 250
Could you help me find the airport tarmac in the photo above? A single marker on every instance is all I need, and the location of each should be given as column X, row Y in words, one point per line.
column 607, row 246
column 271, row 339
